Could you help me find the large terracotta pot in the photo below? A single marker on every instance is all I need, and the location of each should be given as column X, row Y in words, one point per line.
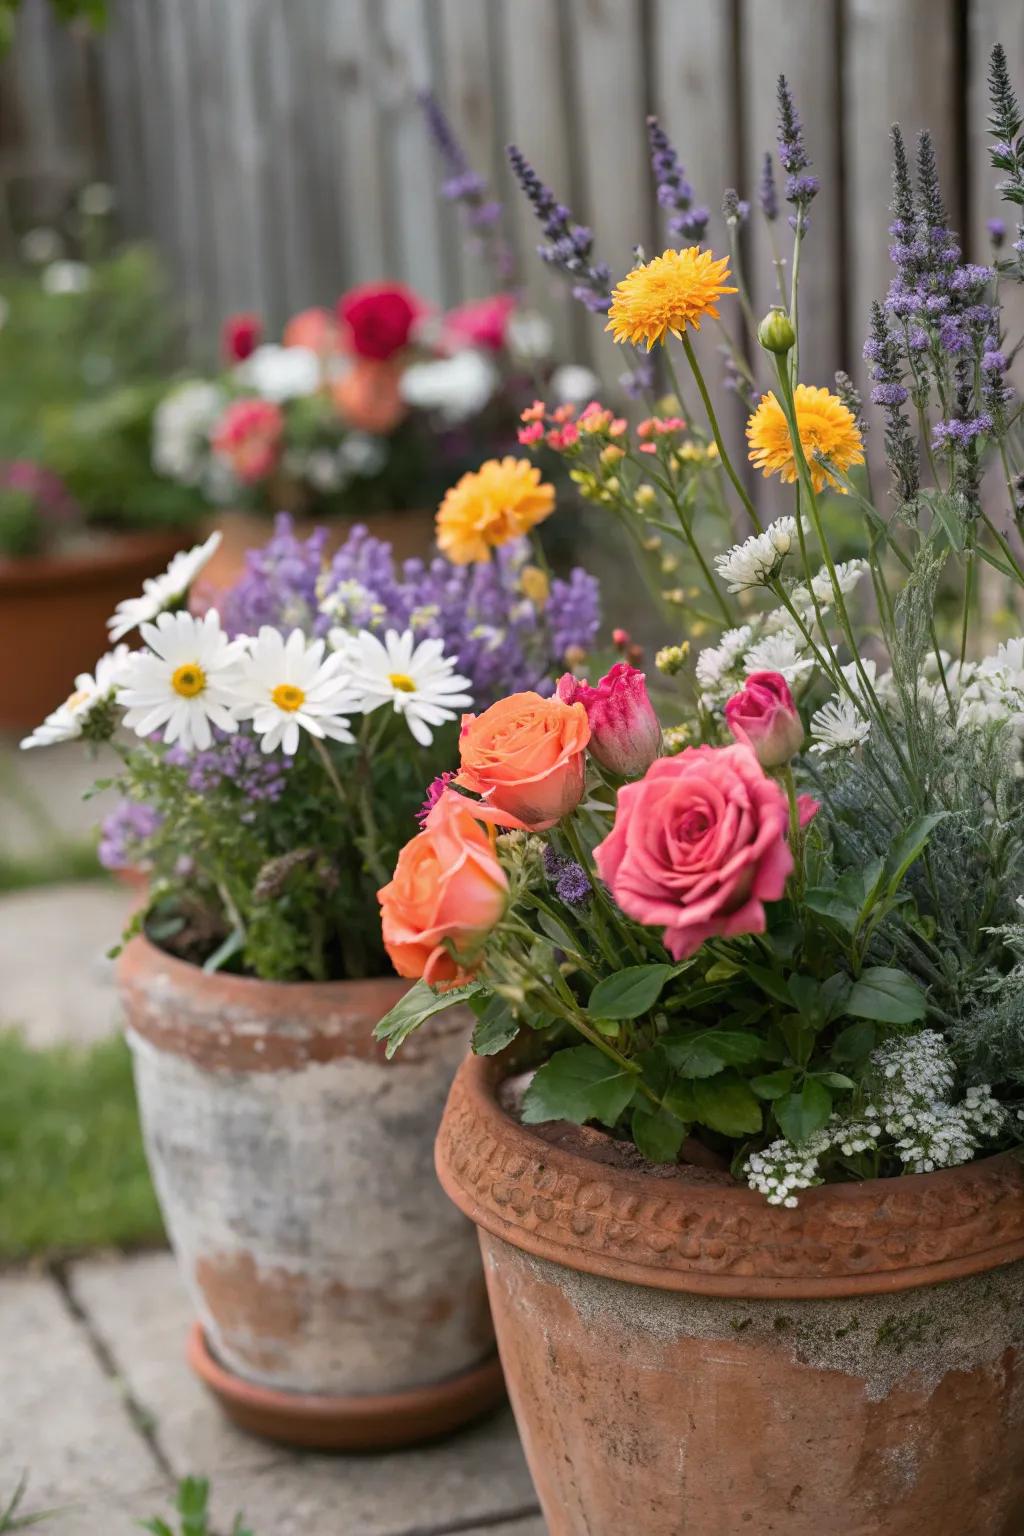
column 409, row 533
column 54, row 611
column 686, row 1360
column 340, row 1295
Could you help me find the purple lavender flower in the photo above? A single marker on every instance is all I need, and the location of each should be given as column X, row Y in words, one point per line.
column 674, row 192
column 234, row 761
column 466, row 187
column 996, row 229
column 801, row 189
column 767, row 192
column 639, row 380
column 124, row 832
column 568, row 246
column 570, row 880
column 279, row 586
column 959, row 432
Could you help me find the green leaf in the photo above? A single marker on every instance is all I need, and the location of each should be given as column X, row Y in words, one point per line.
column 886, row 995
column 628, row 993
column 805, row 993
column 495, row 1028
column 800, row 1114
column 726, row 1104
column 834, row 993
column 558, row 933
column 704, row 1052
column 835, row 1080
column 722, row 970
column 910, row 846
column 658, row 1135
column 420, row 1003
column 853, row 1045
column 947, row 516
column 769, row 982
column 224, row 951
column 772, row 1085
column 830, row 903
column 579, row 1084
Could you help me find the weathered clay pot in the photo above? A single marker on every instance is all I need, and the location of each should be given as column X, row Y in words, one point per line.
column 54, row 611
column 686, row 1360
column 293, row 1167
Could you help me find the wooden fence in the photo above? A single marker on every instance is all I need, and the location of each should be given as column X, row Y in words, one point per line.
column 275, row 151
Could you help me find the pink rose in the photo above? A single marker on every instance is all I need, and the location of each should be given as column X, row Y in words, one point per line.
column 248, row 437
column 480, row 323
column 625, row 735
column 698, row 845
column 764, row 717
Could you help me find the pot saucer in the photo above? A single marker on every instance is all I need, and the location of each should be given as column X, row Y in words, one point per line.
column 365, row 1423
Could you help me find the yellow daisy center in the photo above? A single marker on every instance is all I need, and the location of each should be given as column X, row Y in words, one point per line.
column 74, row 699
column 402, row 681
column 667, row 294
column 188, row 680
column 288, row 697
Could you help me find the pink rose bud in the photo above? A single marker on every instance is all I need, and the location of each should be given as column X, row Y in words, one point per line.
column 625, row 735
column 764, row 717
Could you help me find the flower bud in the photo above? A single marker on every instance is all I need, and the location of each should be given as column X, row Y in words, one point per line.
column 612, row 454
column 672, row 658
column 763, row 716
column 625, row 735
column 645, row 497
column 776, row 333
column 621, row 638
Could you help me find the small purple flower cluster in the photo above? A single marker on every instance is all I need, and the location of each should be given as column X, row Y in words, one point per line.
column 568, row 246
column 570, row 880
column 502, row 641
column 124, row 833
column 767, row 192
column 237, row 760
column 801, row 189
column 686, row 223
column 467, row 187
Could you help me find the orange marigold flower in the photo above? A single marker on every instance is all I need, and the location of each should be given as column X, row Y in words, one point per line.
column 500, row 501
column 667, row 294
column 826, row 426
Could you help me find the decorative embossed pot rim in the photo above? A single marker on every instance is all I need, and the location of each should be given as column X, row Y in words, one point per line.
column 676, row 1234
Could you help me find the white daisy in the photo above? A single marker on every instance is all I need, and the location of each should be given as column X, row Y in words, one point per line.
column 783, row 652
column 162, row 592
column 284, row 685
column 758, row 560
column 851, row 675
column 184, row 682
column 838, row 725
column 91, row 688
column 716, row 665
column 419, row 681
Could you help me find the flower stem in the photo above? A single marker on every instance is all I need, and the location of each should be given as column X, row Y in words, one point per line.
column 723, row 452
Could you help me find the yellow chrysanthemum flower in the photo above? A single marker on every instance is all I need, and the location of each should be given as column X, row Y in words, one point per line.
column 500, row 501
column 667, row 294
column 825, row 425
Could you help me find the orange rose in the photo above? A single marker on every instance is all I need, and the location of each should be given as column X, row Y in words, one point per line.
column 526, row 755
column 447, row 885
column 313, row 328
column 368, row 396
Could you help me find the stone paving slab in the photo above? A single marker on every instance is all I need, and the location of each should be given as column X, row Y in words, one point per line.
column 57, row 981
column 138, row 1310
column 41, row 795
column 64, row 1422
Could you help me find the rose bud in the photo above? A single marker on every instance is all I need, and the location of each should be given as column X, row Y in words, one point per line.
column 625, row 734
column 764, row 717
column 526, row 757
column 240, row 337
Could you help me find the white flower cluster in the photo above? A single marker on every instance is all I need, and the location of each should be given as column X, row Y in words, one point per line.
column 911, row 1119
column 758, row 561
column 770, row 642
column 182, row 423
column 191, row 678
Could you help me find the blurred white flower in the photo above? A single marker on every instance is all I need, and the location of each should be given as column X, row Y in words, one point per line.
column 363, row 454
column 572, row 384
column 455, row 387
column 181, row 428
column 162, row 592
column 281, row 373
column 40, row 245
column 325, row 470
column 528, row 335
column 97, row 200
column 782, row 652
column 66, row 277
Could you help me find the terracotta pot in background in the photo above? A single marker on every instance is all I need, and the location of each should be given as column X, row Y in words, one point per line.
column 340, row 1294
column 54, row 611
column 686, row 1360
column 409, row 534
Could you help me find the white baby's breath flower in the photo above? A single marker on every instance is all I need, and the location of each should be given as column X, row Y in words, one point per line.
column 838, row 726
column 181, row 430
column 417, row 680
column 758, row 561
column 91, row 689
column 284, row 686
column 281, row 373
column 455, row 387
column 785, row 652
column 183, row 683
column 162, row 592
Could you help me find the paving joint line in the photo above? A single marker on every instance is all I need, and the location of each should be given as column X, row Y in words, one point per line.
column 482, row 1522
column 142, row 1420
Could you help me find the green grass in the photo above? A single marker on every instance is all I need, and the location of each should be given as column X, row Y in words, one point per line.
column 62, row 862
column 72, row 1168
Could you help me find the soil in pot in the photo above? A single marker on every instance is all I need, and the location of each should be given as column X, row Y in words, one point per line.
column 685, row 1360
column 293, row 1167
